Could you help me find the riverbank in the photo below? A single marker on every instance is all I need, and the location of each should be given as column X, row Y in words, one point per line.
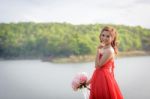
column 89, row 58
column 79, row 58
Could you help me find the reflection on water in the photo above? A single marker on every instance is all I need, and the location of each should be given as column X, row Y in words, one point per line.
column 33, row 79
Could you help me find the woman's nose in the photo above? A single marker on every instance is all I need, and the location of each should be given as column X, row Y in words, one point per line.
column 104, row 38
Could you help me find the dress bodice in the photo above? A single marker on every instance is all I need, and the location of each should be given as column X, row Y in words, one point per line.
column 108, row 65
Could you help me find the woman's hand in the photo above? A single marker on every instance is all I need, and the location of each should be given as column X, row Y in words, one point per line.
column 88, row 82
column 101, row 45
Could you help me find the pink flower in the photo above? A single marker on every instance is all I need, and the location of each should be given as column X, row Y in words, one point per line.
column 83, row 78
column 79, row 81
column 75, row 85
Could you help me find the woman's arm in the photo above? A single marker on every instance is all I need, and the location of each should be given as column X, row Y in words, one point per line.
column 97, row 56
column 88, row 82
column 99, row 50
column 105, row 57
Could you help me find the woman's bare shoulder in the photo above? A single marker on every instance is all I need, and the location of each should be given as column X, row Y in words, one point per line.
column 109, row 52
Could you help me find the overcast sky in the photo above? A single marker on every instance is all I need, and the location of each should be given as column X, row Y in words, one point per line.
column 126, row 12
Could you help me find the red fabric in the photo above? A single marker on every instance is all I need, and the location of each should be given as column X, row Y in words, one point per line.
column 103, row 83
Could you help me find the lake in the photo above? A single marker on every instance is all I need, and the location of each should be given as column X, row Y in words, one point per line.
column 34, row 79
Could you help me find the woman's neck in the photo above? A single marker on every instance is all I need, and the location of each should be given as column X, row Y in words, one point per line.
column 107, row 46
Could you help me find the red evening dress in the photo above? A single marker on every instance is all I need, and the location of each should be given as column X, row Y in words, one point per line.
column 103, row 84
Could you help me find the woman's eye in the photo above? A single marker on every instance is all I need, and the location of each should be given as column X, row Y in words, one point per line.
column 108, row 36
column 103, row 35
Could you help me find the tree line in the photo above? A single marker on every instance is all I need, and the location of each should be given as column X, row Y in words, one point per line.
column 28, row 39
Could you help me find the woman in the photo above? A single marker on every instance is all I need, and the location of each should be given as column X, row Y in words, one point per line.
column 103, row 84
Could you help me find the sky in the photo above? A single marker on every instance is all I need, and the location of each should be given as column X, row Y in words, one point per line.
column 124, row 12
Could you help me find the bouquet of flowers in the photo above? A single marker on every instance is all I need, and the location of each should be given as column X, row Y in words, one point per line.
column 79, row 82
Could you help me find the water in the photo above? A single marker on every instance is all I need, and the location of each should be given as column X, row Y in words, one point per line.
column 34, row 79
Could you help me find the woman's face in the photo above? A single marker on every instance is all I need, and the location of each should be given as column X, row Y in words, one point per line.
column 105, row 37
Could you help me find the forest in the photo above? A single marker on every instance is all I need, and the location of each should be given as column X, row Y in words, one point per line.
column 37, row 40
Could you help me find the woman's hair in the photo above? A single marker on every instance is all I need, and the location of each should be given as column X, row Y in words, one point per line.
column 114, row 35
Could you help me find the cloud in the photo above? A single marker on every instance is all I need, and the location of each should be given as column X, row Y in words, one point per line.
column 143, row 2
column 129, row 12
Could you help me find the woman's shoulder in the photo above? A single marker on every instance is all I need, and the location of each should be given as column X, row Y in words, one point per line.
column 110, row 52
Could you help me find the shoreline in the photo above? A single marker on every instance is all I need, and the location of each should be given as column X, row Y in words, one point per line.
column 80, row 58
column 133, row 53
column 90, row 58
